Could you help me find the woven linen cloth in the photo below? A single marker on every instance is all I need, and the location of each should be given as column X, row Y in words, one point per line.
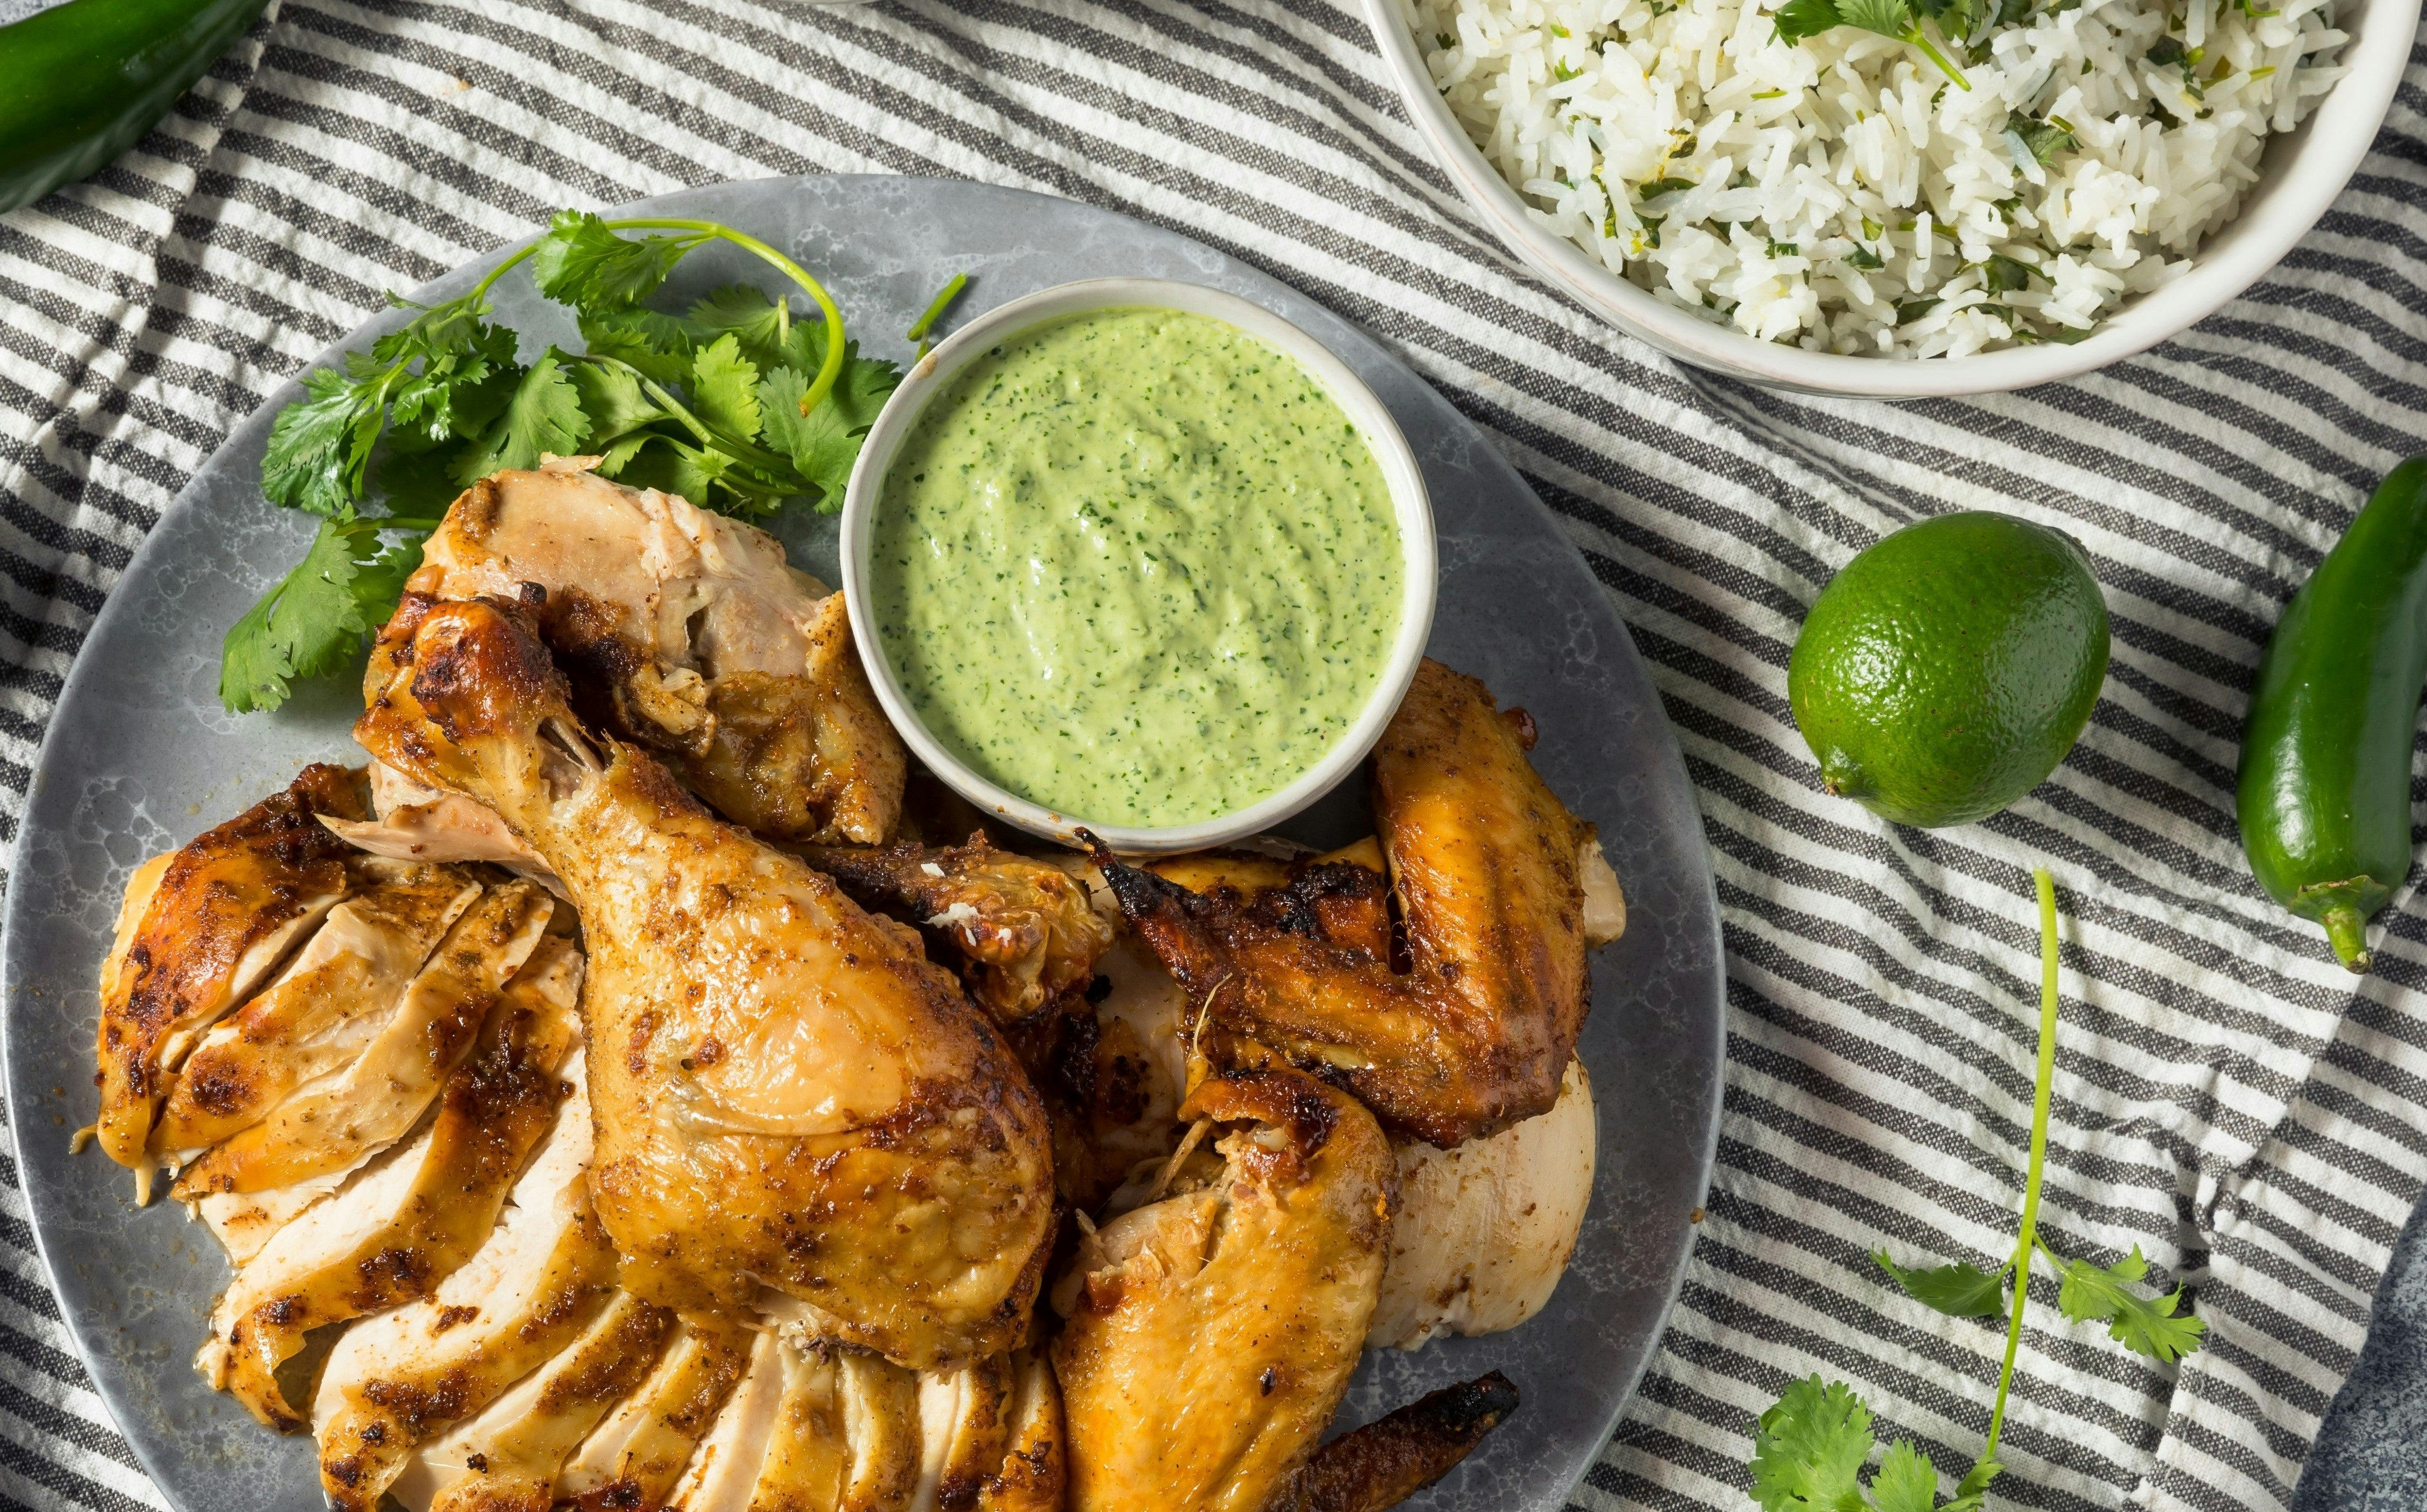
column 2225, row 1098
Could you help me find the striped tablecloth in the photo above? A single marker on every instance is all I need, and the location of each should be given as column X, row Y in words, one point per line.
column 2226, row 1097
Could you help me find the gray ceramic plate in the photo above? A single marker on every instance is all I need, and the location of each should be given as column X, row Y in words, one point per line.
column 141, row 758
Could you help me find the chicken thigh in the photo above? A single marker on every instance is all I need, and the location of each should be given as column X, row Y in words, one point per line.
column 787, row 1092
column 689, row 633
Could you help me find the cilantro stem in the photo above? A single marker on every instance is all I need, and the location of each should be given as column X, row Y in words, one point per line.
column 1919, row 40
column 2042, row 1095
column 936, row 309
column 831, row 368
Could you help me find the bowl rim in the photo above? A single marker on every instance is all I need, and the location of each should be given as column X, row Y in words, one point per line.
column 2340, row 131
column 1401, row 475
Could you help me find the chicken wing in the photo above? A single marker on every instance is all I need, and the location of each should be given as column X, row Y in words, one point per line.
column 788, row 1092
column 696, row 640
column 1211, row 1333
column 1484, row 860
column 214, row 923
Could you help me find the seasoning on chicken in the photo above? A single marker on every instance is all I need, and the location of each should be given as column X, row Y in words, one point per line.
column 1376, row 1467
column 199, row 935
column 788, row 1092
column 1483, row 861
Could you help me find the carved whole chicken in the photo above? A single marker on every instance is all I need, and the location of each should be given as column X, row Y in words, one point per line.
column 785, row 1091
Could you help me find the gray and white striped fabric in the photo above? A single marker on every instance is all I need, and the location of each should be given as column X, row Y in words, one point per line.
column 2226, row 1100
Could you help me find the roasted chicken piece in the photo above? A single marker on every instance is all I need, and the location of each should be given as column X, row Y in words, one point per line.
column 200, row 933
column 1483, row 858
column 1376, row 1467
column 818, row 1428
column 403, row 1226
column 1485, row 1231
column 507, row 1457
column 366, row 1097
column 1023, row 929
column 689, row 633
column 539, row 1275
column 636, row 1455
column 788, row 1092
column 320, row 1013
column 1211, row 1333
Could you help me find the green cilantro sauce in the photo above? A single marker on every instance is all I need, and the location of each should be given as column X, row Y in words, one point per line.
column 1136, row 566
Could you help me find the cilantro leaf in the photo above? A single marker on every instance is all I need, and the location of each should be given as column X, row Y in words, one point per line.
column 418, row 483
column 826, row 442
column 756, row 322
column 616, row 458
column 581, row 263
column 2043, row 140
column 544, row 416
column 2145, row 1325
column 658, row 345
column 612, row 401
column 1906, row 1481
column 320, row 444
column 312, row 620
column 2002, row 274
column 1960, row 1290
column 1798, row 19
column 1889, row 18
column 1808, row 1449
column 1974, row 1488
column 724, row 387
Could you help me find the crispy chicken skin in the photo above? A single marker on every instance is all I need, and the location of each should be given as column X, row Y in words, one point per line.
column 1484, row 860
column 220, row 918
column 1211, row 1333
column 688, row 633
column 787, row 1091
column 1382, row 1464
column 1023, row 929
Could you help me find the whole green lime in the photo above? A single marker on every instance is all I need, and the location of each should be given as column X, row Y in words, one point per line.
column 1948, row 669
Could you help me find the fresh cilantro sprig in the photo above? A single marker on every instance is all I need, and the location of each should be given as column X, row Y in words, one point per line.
column 734, row 403
column 1811, row 1447
column 1899, row 19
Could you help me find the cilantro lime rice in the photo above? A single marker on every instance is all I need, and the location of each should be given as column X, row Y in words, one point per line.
column 1837, row 187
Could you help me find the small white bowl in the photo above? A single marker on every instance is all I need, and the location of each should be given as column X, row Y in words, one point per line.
column 935, row 373
column 2301, row 173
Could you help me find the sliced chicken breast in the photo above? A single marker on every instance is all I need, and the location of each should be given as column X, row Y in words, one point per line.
column 379, row 1091
column 406, row 1223
column 544, row 1273
column 221, row 915
column 636, row 1455
column 548, row 986
column 507, row 1458
column 338, row 992
column 724, row 1469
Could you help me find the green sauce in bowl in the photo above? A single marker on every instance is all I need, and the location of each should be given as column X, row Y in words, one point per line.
column 1136, row 566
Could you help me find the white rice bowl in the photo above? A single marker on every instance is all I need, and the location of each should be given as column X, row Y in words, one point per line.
column 1755, row 181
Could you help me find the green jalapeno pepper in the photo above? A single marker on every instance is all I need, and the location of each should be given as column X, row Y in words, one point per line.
column 81, row 81
column 2324, row 786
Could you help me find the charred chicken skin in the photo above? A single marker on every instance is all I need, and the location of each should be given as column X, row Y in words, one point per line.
column 1475, row 1035
column 787, row 1092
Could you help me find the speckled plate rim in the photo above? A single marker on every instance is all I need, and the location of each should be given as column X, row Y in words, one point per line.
column 1659, row 993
